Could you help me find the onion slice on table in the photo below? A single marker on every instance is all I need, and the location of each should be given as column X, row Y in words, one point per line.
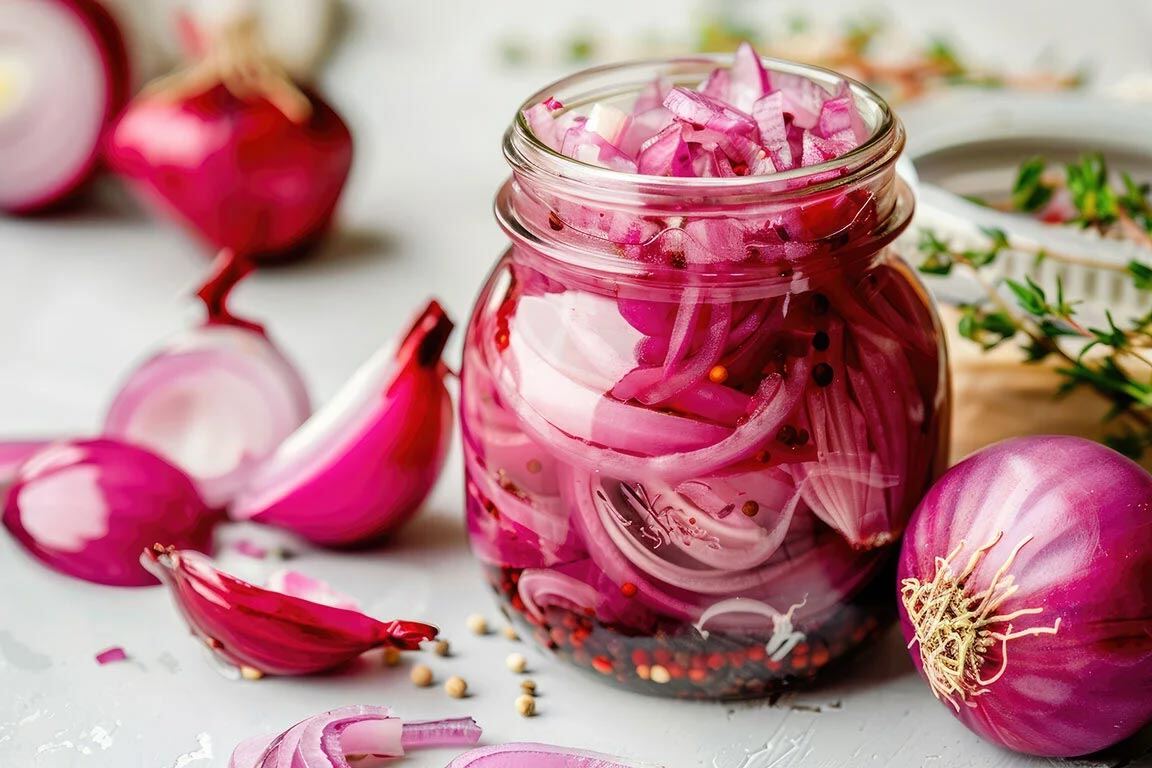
column 530, row 755
column 271, row 632
column 1026, row 594
column 216, row 400
column 88, row 507
column 342, row 736
column 63, row 77
column 363, row 464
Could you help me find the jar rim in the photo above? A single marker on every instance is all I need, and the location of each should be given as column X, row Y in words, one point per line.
column 529, row 156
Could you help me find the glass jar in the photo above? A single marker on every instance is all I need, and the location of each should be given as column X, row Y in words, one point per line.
column 697, row 412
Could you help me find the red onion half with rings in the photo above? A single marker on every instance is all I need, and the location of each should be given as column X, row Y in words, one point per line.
column 216, row 400
column 64, row 76
column 1026, row 594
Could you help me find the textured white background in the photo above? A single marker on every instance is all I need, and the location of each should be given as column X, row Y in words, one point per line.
column 83, row 296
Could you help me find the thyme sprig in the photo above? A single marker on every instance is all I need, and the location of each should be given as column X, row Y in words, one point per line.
column 1113, row 361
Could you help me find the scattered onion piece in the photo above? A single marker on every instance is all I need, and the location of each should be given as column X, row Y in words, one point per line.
column 341, row 736
column 88, row 507
column 63, row 77
column 530, row 755
column 216, row 400
column 116, row 653
column 362, row 465
column 271, row 632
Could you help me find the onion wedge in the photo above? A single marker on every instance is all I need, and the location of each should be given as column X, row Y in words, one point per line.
column 86, row 508
column 364, row 463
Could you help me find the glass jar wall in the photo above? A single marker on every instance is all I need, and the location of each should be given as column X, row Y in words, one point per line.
column 697, row 412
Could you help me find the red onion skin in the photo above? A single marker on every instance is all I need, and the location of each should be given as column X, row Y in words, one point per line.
column 87, row 508
column 243, row 175
column 277, row 634
column 1088, row 563
column 109, row 40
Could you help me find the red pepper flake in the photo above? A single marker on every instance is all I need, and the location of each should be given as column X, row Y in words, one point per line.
column 115, row 653
column 628, row 589
column 602, row 664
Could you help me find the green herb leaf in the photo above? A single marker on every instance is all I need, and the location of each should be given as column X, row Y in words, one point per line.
column 1029, row 296
column 1030, row 193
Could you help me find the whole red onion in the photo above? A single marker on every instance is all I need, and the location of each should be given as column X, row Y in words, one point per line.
column 89, row 507
column 239, row 171
column 1026, row 594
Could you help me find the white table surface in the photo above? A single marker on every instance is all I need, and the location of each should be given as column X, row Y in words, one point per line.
column 84, row 295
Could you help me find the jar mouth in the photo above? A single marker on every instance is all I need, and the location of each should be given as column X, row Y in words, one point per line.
column 529, row 156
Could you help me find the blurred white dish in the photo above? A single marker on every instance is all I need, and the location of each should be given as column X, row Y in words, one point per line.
column 971, row 143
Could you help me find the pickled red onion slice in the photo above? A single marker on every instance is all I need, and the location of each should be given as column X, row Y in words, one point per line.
column 340, row 737
column 530, row 755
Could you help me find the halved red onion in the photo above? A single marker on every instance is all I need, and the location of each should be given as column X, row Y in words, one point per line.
column 342, row 736
column 364, row 463
column 269, row 631
column 530, row 755
column 63, row 77
column 216, row 400
column 88, row 507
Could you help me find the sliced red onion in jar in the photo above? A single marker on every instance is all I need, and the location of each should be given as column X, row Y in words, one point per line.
column 530, row 755
column 87, row 508
column 63, row 77
column 363, row 464
column 271, row 632
column 1026, row 594
column 344, row 736
column 216, row 400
